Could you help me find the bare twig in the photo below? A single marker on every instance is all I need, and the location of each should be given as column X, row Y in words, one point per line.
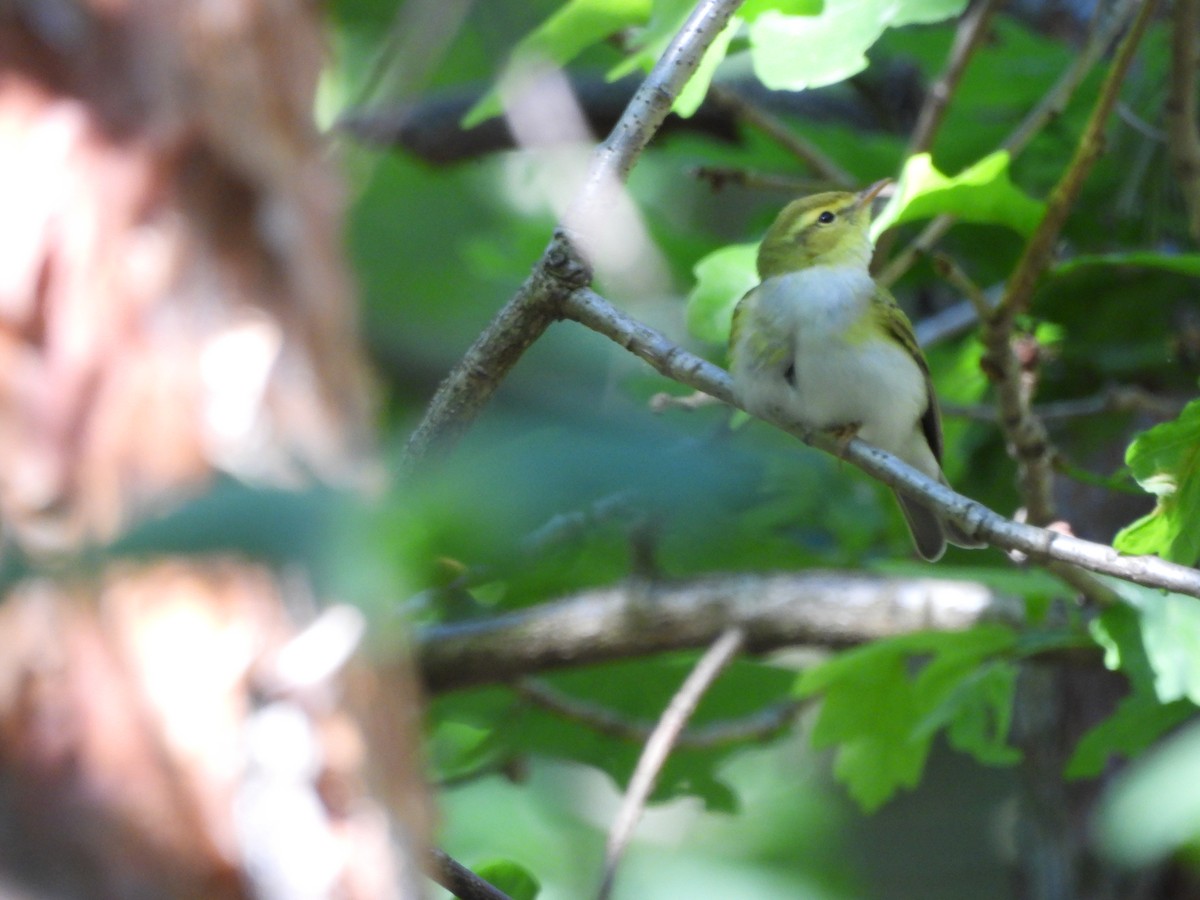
column 1115, row 399
column 770, row 125
column 1105, row 28
column 954, row 320
column 471, row 383
column 718, row 177
column 663, row 401
column 971, row 29
column 459, row 880
column 761, row 724
column 1027, row 438
column 1039, row 544
column 1040, row 247
column 1184, row 140
column 658, row 748
column 948, row 269
column 826, row 609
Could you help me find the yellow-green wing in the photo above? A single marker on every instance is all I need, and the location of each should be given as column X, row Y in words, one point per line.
column 768, row 347
column 896, row 324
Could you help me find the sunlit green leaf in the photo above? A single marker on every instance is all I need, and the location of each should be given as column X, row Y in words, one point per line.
column 1153, row 809
column 1139, row 720
column 694, row 91
column 982, row 193
column 882, row 718
column 510, row 877
column 722, row 278
column 1155, row 639
column 793, row 52
column 666, row 18
column 1166, row 462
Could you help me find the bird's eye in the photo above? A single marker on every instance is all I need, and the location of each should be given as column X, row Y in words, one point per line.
column 826, row 217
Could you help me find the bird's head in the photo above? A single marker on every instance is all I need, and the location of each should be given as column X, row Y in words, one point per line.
column 830, row 229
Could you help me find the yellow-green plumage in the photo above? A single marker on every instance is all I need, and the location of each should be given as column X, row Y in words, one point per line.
column 818, row 343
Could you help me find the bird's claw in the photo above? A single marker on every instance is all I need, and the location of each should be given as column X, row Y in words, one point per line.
column 844, row 433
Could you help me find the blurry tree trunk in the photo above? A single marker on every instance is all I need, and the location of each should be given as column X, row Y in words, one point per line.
column 173, row 305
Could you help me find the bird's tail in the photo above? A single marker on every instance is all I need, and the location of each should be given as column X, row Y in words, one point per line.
column 928, row 531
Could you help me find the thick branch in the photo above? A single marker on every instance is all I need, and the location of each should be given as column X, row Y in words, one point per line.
column 471, row 383
column 588, row 308
column 774, row 611
column 1184, row 134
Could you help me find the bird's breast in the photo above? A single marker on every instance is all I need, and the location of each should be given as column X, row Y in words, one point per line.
column 840, row 366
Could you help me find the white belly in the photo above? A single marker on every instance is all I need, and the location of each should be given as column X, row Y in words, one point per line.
column 834, row 380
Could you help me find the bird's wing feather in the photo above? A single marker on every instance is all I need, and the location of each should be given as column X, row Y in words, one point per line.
column 770, row 347
column 896, row 323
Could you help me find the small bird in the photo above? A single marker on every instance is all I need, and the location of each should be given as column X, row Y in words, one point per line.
column 820, row 344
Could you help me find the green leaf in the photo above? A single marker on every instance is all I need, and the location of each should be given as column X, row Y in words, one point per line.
column 869, row 714
column 722, row 278
column 1166, row 462
column 793, row 52
column 983, row 193
column 752, row 9
column 1182, row 264
column 883, row 719
column 696, row 89
column 977, row 712
column 562, row 37
column 1155, row 640
column 650, row 42
column 511, row 877
column 1139, row 720
column 1153, row 809
column 635, row 692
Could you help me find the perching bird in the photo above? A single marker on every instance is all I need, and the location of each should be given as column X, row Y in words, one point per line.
column 820, row 344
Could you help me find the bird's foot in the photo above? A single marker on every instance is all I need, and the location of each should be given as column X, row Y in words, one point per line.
column 843, row 433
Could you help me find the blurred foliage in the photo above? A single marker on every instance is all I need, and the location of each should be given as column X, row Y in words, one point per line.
column 438, row 250
column 883, row 721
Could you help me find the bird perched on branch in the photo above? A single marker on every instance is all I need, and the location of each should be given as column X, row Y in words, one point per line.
column 820, row 344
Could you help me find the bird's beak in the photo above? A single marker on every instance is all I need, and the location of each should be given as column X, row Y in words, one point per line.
column 866, row 197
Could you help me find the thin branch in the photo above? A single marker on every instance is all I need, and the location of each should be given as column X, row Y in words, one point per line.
column 826, row 609
column 588, row 308
column 1184, row 142
column 663, row 401
column 470, row 385
column 1106, row 26
column 1114, row 399
column 1040, row 247
column 948, row 269
column 954, row 320
column 720, row 177
column 971, row 29
column 459, row 880
column 1027, row 437
column 658, row 748
column 759, row 725
column 776, row 130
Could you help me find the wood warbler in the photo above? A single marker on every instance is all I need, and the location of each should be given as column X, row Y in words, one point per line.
column 820, row 344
